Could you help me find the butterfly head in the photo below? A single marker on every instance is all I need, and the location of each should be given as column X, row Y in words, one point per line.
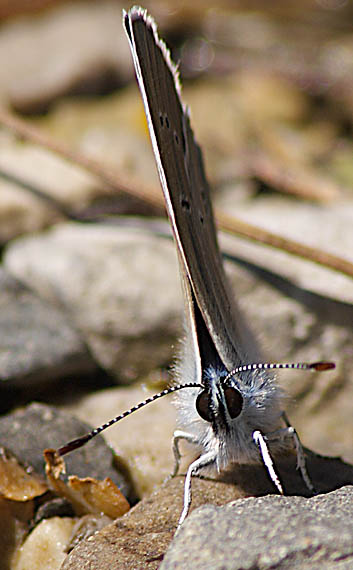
column 245, row 398
column 220, row 401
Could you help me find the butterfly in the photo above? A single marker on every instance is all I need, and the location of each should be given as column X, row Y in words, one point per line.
column 230, row 406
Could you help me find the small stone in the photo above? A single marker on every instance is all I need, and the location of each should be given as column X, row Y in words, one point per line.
column 45, row 545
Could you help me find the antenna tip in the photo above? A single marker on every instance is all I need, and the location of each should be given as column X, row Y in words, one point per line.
column 63, row 450
column 322, row 366
column 74, row 444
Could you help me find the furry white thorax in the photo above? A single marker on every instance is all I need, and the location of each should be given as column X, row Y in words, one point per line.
column 262, row 409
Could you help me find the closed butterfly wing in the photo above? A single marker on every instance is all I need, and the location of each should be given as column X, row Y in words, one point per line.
column 211, row 310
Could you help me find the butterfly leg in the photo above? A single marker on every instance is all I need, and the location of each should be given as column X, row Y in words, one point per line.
column 193, row 469
column 290, row 432
column 177, row 436
column 260, row 441
column 301, row 463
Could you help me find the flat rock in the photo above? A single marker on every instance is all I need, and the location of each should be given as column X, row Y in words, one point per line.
column 141, row 537
column 268, row 532
column 38, row 344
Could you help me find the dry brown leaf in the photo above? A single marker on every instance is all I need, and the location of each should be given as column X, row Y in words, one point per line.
column 54, row 464
column 15, row 483
column 99, row 496
column 87, row 495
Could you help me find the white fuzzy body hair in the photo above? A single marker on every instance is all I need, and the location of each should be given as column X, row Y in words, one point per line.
column 262, row 409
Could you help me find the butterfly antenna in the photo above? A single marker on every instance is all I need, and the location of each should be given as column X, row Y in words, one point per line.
column 79, row 442
column 316, row 366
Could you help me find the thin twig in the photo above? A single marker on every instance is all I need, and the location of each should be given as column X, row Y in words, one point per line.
column 297, row 181
column 55, row 204
column 254, row 233
column 111, row 180
column 153, row 197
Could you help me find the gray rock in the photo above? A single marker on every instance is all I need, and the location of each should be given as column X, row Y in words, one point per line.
column 268, row 532
column 38, row 344
column 28, row 431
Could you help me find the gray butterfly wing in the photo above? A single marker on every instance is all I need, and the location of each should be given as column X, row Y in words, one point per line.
column 187, row 197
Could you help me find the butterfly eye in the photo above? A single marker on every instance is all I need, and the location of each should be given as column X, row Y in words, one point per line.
column 234, row 401
column 203, row 406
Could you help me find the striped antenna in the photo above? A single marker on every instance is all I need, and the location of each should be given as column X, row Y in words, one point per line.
column 77, row 443
column 317, row 366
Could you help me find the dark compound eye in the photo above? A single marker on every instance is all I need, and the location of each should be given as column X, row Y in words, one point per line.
column 203, row 406
column 234, row 401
